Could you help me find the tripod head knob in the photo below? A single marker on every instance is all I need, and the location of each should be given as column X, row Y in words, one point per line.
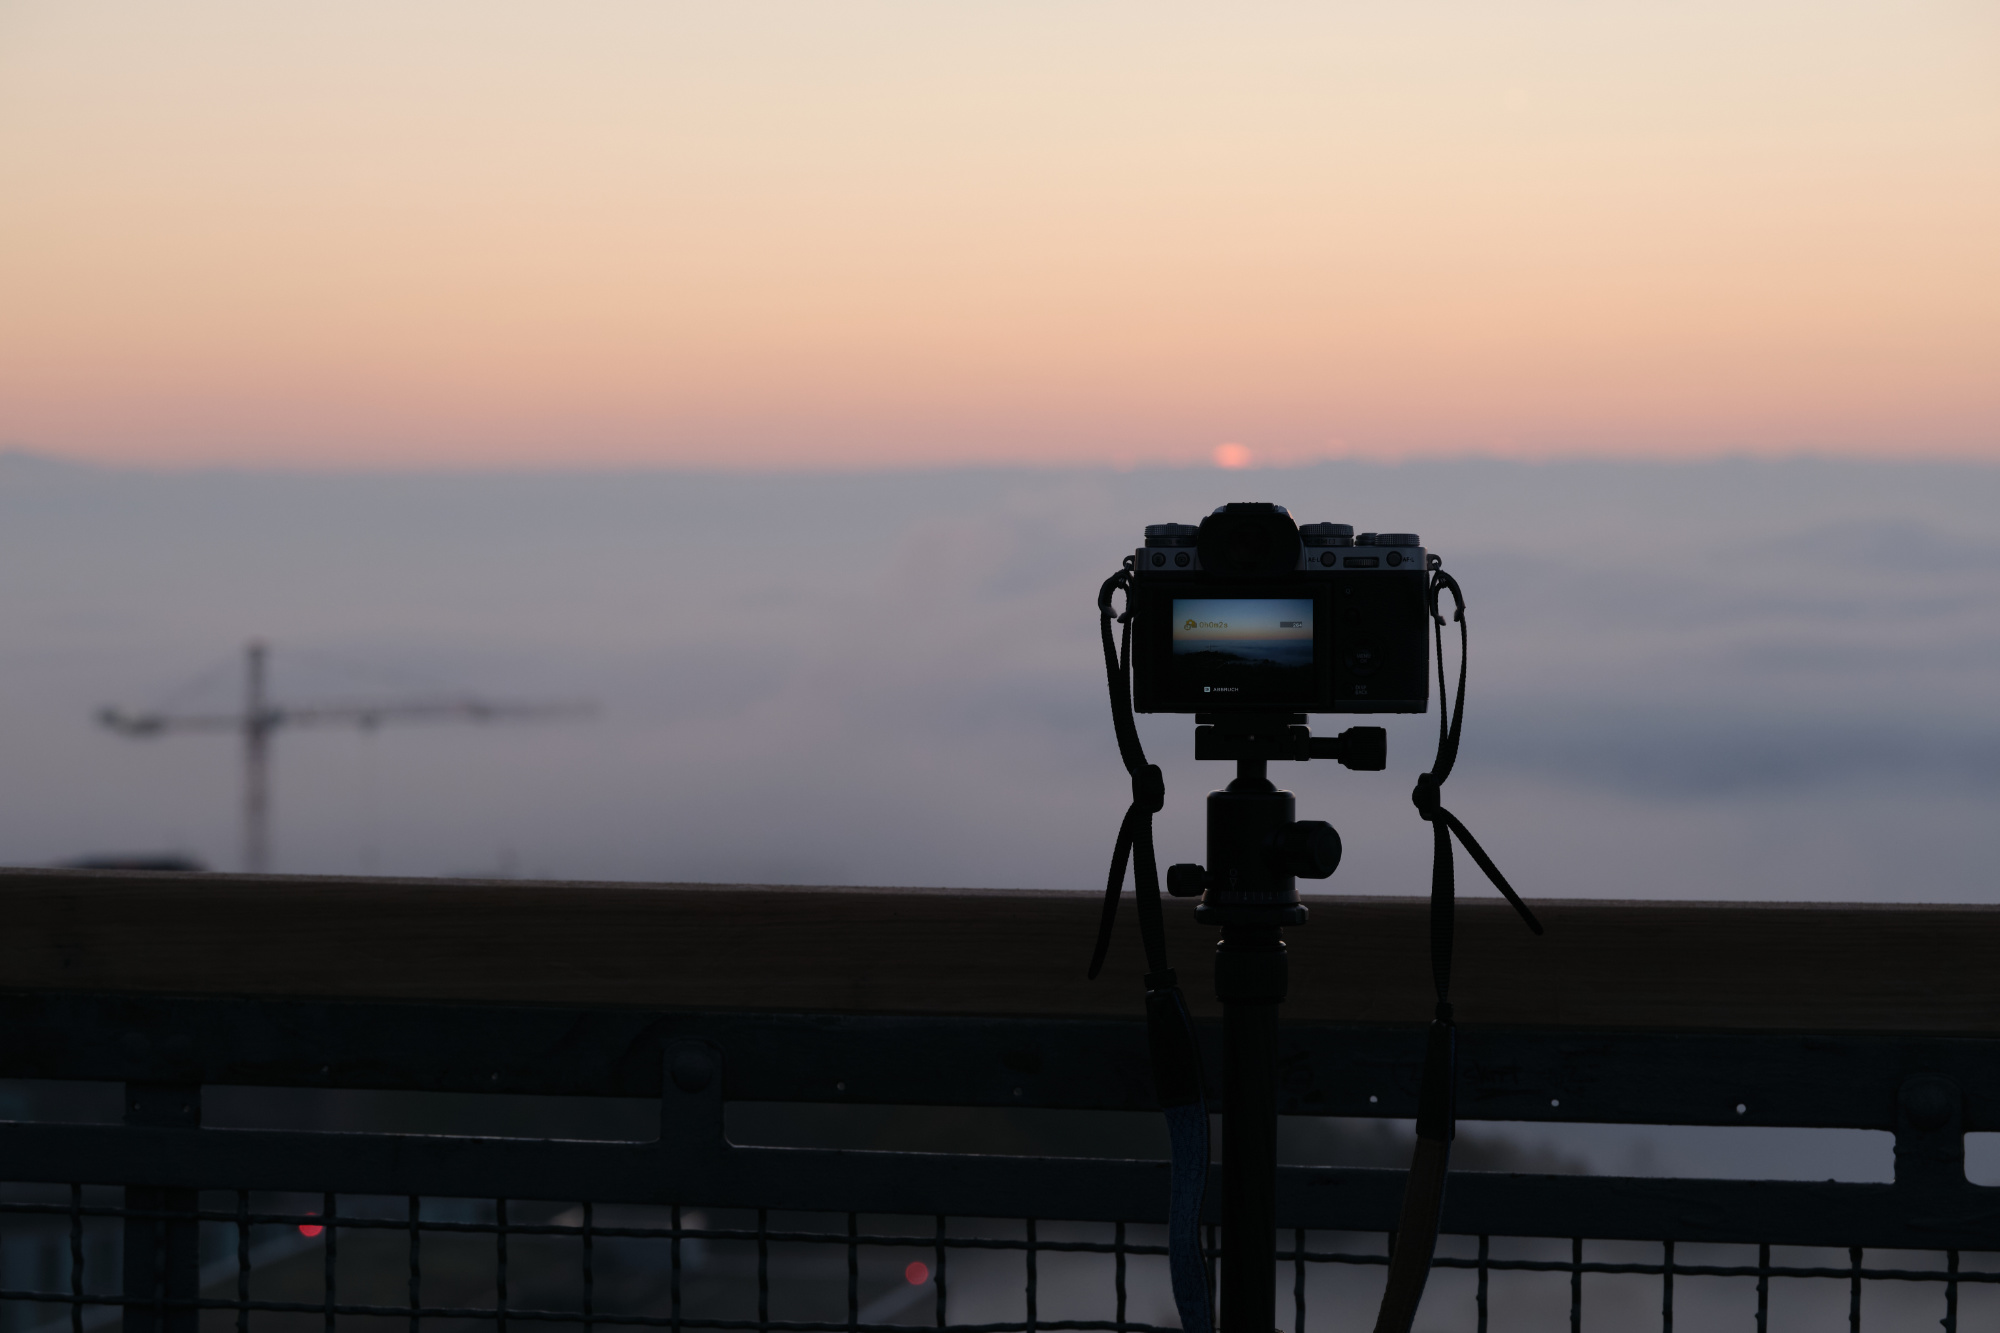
column 1186, row 880
column 1364, row 749
column 1309, row 848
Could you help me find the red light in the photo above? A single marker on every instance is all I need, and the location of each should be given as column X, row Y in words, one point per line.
column 917, row 1273
column 310, row 1229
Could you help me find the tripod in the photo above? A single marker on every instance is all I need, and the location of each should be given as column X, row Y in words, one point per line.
column 1257, row 849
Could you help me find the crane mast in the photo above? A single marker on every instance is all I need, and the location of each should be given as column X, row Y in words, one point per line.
column 258, row 724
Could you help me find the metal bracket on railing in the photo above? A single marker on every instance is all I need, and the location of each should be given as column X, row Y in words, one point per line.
column 691, row 1102
column 1930, row 1133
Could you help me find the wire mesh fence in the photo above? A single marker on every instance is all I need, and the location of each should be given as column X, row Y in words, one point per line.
column 79, row 1258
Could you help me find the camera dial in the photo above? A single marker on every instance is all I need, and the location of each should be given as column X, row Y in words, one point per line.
column 1327, row 534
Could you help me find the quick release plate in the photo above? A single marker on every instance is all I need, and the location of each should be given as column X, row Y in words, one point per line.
column 1285, row 736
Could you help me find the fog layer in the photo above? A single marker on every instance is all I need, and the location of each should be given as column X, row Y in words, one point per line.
column 1726, row 680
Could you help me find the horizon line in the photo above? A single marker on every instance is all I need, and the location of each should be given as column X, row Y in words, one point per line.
column 18, row 455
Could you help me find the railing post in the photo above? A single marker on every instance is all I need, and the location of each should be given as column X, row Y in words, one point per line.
column 162, row 1253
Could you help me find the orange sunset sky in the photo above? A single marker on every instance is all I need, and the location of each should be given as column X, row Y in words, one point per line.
column 459, row 233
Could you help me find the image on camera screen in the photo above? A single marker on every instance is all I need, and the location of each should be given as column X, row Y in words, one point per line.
column 1248, row 649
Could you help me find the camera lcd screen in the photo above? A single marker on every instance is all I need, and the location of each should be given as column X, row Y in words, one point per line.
column 1243, row 649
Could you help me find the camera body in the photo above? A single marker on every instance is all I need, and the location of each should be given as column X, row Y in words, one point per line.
column 1251, row 613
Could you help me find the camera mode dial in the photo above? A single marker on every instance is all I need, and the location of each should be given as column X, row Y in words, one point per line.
column 1327, row 534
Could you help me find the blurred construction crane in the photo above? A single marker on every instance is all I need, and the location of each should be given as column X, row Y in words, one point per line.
column 261, row 719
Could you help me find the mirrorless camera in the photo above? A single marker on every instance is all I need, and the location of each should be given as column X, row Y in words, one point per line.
column 1249, row 612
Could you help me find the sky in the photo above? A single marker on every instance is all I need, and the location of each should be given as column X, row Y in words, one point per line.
column 784, row 377
column 375, row 234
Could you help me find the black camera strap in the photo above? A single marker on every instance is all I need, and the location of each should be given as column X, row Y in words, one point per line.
column 1177, row 1080
column 1437, row 1102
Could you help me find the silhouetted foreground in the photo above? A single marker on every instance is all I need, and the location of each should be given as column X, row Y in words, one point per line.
column 291, row 1102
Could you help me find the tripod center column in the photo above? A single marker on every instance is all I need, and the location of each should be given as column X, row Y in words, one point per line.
column 1252, row 895
column 1250, row 977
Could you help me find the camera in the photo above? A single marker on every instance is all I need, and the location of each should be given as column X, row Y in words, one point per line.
column 1252, row 613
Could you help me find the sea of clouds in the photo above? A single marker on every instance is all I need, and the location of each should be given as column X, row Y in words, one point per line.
column 1736, row 679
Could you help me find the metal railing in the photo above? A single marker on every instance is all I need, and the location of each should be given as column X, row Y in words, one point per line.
column 164, row 1225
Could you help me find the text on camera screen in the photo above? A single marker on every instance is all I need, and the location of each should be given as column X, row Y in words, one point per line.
column 1248, row 649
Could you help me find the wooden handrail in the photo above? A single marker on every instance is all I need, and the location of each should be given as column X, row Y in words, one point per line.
column 1603, row 964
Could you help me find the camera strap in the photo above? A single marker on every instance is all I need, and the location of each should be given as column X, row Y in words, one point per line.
column 1437, row 1102
column 1170, row 1037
